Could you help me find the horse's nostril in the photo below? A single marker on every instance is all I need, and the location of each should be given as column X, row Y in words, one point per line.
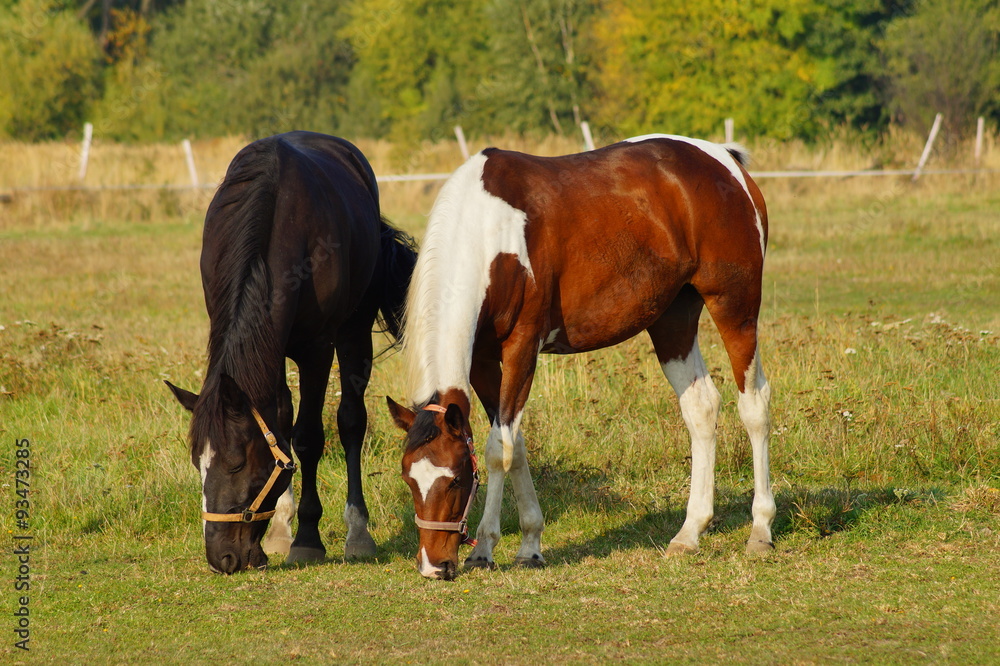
column 229, row 563
column 448, row 571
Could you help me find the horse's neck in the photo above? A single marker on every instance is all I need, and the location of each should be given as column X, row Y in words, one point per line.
column 440, row 331
column 467, row 230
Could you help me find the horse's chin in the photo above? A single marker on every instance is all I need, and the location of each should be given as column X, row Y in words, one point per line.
column 230, row 563
column 257, row 559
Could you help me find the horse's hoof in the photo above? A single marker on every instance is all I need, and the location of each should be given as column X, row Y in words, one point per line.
column 759, row 547
column 305, row 555
column 480, row 563
column 280, row 545
column 680, row 549
column 363, row 545
column 536, row 561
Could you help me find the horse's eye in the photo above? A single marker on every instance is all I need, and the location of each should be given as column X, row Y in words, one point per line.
column 237, row 468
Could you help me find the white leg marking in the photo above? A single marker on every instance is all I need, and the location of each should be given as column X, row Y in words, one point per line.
column 754, row 406
column 699, row 401
column 546, row 344
column 279, row 534
column 488, row 533
column 532, row 521
column 204, row 462
column 359, row 542
column 425, row 473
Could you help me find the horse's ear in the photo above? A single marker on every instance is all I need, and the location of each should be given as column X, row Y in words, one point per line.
column 453, row 419
column 186, row 398
column 231, row 395
column 401, row 415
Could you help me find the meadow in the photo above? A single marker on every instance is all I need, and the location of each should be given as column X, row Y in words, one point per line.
column 881, row 339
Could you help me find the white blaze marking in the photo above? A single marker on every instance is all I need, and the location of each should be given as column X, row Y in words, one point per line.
column 425, row 473
column 204, row 462
column 720, row 153
column 427, row 570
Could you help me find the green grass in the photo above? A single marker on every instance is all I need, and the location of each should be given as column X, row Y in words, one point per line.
column 880, row 338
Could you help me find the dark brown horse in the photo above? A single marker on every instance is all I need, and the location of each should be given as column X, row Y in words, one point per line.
column 296, row 262
column 527, row 254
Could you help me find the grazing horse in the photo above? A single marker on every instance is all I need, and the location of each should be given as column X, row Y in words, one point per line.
column 525, row 255
column 296, row 262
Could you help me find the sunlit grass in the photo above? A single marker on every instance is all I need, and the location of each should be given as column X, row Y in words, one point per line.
column 879, row 335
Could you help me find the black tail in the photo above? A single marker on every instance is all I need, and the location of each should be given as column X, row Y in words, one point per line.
column 739, row 153
column 399, row 255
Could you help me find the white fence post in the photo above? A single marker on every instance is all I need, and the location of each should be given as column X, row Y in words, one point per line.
column 88, row 136
column 588, row 139
column 189, row 157
column 462, row 145
column 980, row 123
column 927, row 147
column 729, row 130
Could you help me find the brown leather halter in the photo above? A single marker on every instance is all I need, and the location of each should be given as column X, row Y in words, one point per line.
column 281, row 463
column 462, row 525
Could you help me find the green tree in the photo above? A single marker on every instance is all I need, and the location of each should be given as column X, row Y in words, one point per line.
column 421, row 66
column 943, row 59
column 543, row 50
column 51, row 71
column 239, row 67
column 685, row 67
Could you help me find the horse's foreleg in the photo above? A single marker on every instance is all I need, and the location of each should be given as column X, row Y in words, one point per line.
column 505, row 452
column 355, row 355
column 308, row 441
column 279, row 534
column 486, row 377
column 528, row 510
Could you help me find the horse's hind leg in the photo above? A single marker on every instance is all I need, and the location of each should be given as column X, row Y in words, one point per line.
column 736, row 318
column 308, row 442
column 354, row 353
column 675, row 338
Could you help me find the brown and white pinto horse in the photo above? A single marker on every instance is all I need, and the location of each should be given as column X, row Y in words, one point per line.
column 528, row 254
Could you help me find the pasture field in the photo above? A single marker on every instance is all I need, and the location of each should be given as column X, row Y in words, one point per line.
column 881, row 338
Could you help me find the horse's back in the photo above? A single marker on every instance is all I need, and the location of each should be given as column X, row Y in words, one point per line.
column 667, row 194
column 300, row 211
column 614, row 234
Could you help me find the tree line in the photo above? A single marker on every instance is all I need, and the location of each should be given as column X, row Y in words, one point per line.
column 151, row 70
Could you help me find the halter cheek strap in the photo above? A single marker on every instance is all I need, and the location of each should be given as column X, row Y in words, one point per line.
column 462, row 525
column 281, row 463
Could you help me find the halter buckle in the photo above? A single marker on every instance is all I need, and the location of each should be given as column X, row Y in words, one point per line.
column 247, row 516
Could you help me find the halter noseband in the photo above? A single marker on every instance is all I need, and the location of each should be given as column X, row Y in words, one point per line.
column 462, row 525
column 281, row 463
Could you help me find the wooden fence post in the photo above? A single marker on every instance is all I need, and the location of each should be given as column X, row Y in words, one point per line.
column 980, row 123
column 88, row 136
column 588, row 139
column 927, row 147
column 189, row 157
column 462, row 145
column 729, row 130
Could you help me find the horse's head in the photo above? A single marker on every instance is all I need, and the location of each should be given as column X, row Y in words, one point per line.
column 439, row 465
column 243, row 467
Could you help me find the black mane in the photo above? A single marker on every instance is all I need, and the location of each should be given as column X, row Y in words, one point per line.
column 237, row 235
